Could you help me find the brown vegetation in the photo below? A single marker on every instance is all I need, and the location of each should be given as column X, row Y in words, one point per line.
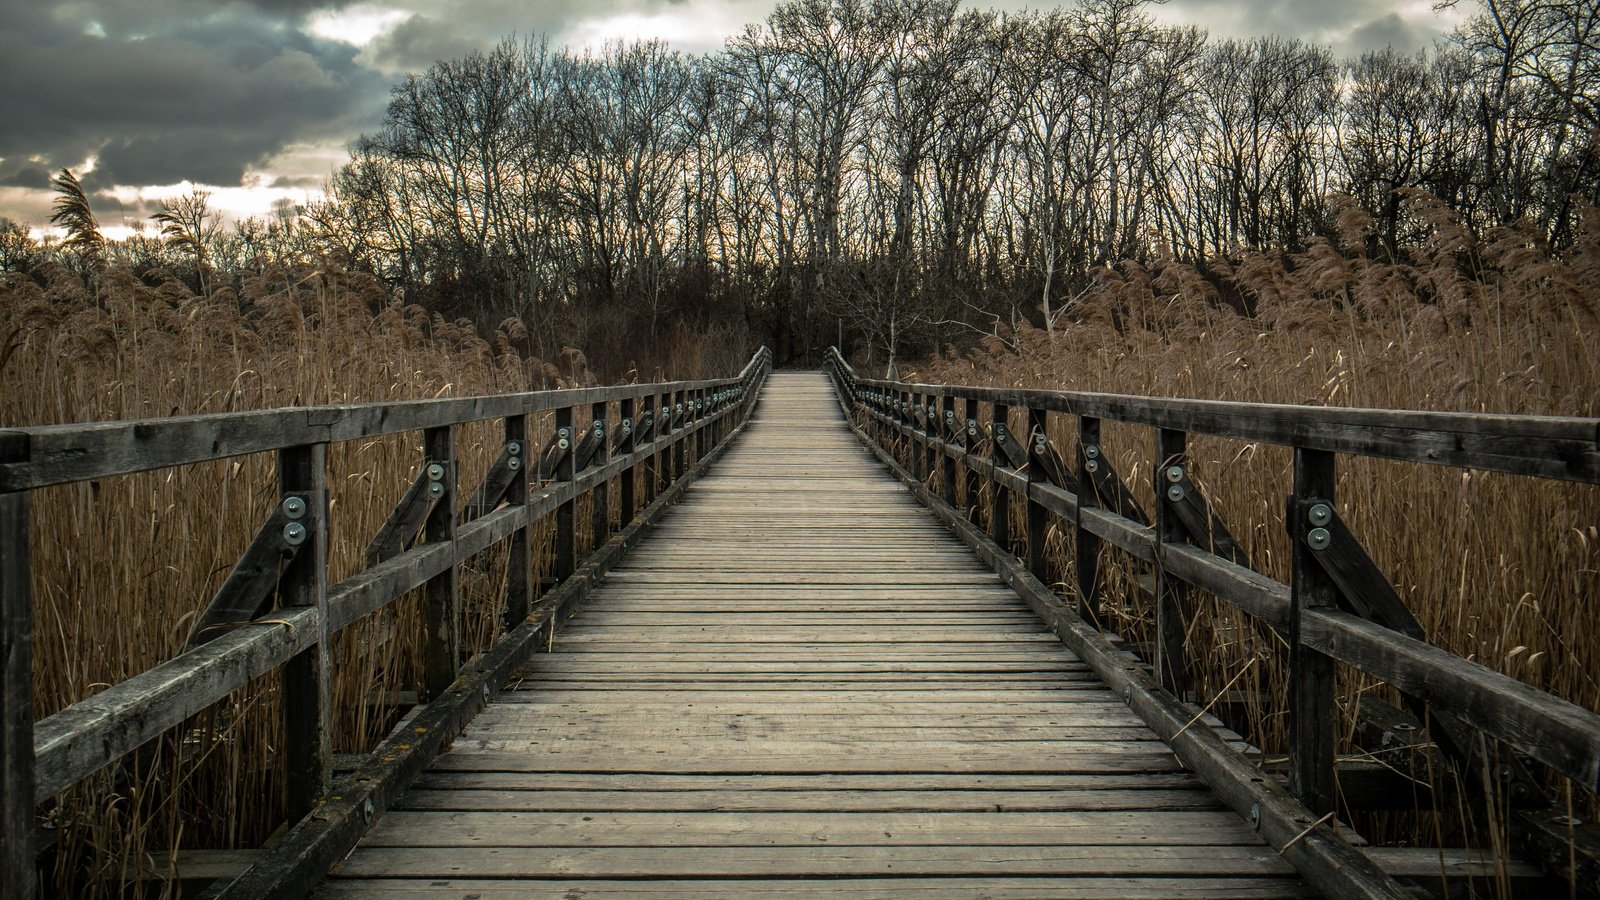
column 123, row 565
column 1500, row 569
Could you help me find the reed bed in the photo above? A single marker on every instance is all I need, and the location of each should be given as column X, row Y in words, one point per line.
column 123, row 565
column 1500, row 569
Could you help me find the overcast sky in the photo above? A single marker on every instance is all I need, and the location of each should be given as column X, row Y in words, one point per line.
column 257, row 99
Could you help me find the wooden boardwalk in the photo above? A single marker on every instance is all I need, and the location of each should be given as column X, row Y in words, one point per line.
column 801, row 684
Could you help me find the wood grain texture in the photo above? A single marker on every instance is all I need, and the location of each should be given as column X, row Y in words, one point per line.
column 803, row 683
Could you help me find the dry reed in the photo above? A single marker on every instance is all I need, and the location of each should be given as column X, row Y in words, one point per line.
column 1503, row 570
column 123, row 565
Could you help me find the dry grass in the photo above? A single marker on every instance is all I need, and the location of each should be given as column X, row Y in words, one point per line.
column 122, row 565
column 1500, row 569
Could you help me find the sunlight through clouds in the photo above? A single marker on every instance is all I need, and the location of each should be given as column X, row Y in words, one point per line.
column 694, row 27
column 357, row 25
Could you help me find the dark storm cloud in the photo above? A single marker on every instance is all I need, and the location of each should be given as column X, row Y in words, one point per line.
column 186, row 92
column 418, row 43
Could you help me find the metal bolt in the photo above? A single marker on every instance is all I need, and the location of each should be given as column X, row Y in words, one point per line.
column 680, row 407
column 1320, row 514
column 514, row 448
column 627, row 425
column 563, row 444
column 972, row 426
column 486, row 690
column 1127, row 693
column 1174, row 474
column 563, row 432
column 1000, row 434
column 294, row 507
column 514, row 463
column 1092, row 451
column 1175, row 493
column 368, row 811
column 1255, row 816
column 436, row 489
column 599, row 428
column 294, row 534
column 1319, row 538
column 949, row 415
column 1039, row 444
column 1092, row 465
column 435, row 472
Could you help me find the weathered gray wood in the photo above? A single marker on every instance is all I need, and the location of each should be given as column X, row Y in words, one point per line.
column 307, row 676
column 1325, row 858
column 64, row 453
column 401, row 528
column 310, row 847
column 1311, row 673
column 566, row 535
column 95, row 732
column 1548, row 446
column 519, row 562
column 17, row 779
column 1086, row 543
column 1172, row 597
column 441, row 602
column 247, row 590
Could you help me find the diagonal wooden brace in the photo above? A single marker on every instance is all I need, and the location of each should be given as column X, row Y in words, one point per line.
column 397, row 534
column 555, row 450
column 1008, row 447
column 1046, row 461
column 247, row 591
column 495, row 483
column 1365, row 591
column 594, row 438
column 1203, row 525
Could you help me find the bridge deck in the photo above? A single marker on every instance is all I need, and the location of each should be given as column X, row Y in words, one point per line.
column 802, row 684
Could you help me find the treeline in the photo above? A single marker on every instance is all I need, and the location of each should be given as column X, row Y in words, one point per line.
column 908, row 172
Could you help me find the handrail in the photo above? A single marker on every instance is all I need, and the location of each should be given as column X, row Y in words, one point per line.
column 1337, row 606
column 661, row 433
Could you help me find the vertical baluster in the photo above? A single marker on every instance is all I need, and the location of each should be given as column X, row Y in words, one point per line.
column 566, row 561
column 16, row 686
column 308, row 747
column 519, row 565
column 1085, row 544
column 1311, row 674
column 1172, row 594
column 442, row 594
column 999, row 497
column 947, row 416
column 972, row 489
column 600, row 497
column 1038, row 516
column 625, row 493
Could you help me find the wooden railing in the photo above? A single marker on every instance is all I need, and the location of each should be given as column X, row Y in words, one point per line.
column 1337, row 606
column 660, row 433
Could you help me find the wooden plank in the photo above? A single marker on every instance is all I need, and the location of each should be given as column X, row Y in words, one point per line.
column 875, row 801
column 406, row 828
column 827, row 862
column 307, row 676
column 17, row 779
column 996, row 888
column 441, row 603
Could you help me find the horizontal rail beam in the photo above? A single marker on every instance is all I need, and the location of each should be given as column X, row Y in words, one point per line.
column 1560, row 447
column 58, row 454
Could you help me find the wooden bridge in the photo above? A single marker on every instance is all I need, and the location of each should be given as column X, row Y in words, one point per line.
column 782, row 672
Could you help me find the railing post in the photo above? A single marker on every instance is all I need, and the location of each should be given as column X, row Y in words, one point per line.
column 1172, row 594
column 566, row 561
column 999, row 497
column 519, row 566
column 625, row 491
column 442, row 594
column 1311, row 673
column 972, row 487
column 1086, row 545
column 600, row 496
column 307, row 714
column 16, row 686
column 1038, row 516
column 948, row 409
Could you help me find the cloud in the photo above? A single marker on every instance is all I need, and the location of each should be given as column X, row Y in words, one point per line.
column 416, row 44
column 1386, row 31
column 198, row 100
